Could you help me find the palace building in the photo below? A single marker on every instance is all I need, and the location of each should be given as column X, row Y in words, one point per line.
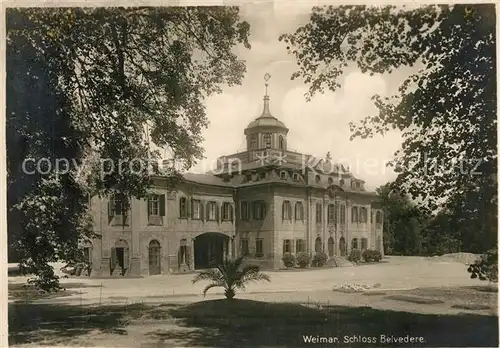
column 262, row 203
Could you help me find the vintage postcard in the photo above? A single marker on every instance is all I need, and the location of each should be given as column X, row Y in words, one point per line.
column 260, row 174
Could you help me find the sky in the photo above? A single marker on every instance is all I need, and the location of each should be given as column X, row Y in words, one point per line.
column 316, row 127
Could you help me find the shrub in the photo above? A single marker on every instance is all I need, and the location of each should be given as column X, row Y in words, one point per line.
column 372, row 255
column 319, row 259
column 354, row 255
column 288, row 259
column 486, row 268
column 303, row 260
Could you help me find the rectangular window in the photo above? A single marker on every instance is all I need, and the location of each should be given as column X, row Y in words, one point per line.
column 364, row 243
column 299, row 211
column 227, row 211
column 319, row 215
column 259, row 247
column 115, row 207
column 354, row 243
column 342, row 214
column 253, row 141
column 211, row 211
column 287, row 246
column 244, row 246
column 267, row 140
column 287, row 210
column 154, row 205
column 258, row 210
column 87, row 254
column 331, row 213
column 300, row 246
column 244, row 211
column 196, row 213
column 183, row 208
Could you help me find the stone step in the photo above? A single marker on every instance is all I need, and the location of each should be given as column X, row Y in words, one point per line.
column 341, row 261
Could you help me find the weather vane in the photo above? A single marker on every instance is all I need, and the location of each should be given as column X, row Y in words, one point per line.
column 267, row 76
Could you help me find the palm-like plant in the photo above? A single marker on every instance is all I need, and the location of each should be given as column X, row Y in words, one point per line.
column 230, row 275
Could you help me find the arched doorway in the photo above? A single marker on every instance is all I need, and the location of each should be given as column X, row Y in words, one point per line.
column 120, row 257
column 210, row 249
column 318, row 246
column 154, row 257
column 342, row 247
column 331, row 247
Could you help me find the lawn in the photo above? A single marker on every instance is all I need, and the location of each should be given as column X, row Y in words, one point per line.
column 236, row 323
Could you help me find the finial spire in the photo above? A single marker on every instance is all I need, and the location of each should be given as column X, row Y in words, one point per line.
column 267, row 76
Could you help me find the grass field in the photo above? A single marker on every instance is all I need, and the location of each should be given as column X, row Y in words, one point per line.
column 455, row 313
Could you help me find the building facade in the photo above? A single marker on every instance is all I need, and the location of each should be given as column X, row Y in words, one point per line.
column 261, row 203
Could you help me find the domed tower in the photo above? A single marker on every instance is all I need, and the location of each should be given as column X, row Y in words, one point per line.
column 266, row 131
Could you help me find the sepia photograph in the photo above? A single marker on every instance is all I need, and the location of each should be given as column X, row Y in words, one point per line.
column 254, row 174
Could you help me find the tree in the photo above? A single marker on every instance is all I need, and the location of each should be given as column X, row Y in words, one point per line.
column 446, row 111
column 231, row 275
column 404, row 222
column 99, row 81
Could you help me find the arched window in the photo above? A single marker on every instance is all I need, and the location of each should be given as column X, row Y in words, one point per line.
column 318, row 179
column 318, row 245
column 354, row 213
column 287, row 210
column 299, row 211
column 330, row 181
column 342, row 182
column 267, row 139
column 281, row 143
column 183, row 208
column 283, row 175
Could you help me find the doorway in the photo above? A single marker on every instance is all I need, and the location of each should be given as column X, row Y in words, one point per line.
column 342, row 247
column 210, row 249
column 154, row 257
column 120, row 258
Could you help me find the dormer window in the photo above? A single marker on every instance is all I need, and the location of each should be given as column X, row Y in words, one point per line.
column 296, row 177
column 283, row 175
column 318, row 179
column 267, row 140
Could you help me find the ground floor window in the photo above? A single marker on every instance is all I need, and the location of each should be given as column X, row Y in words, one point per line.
column 364, row 243
column 183, row 260
column 244, row 247
column 300, row 246
column 259, row 247
column 87, row 254
column 287, row 246
column 354, row 243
